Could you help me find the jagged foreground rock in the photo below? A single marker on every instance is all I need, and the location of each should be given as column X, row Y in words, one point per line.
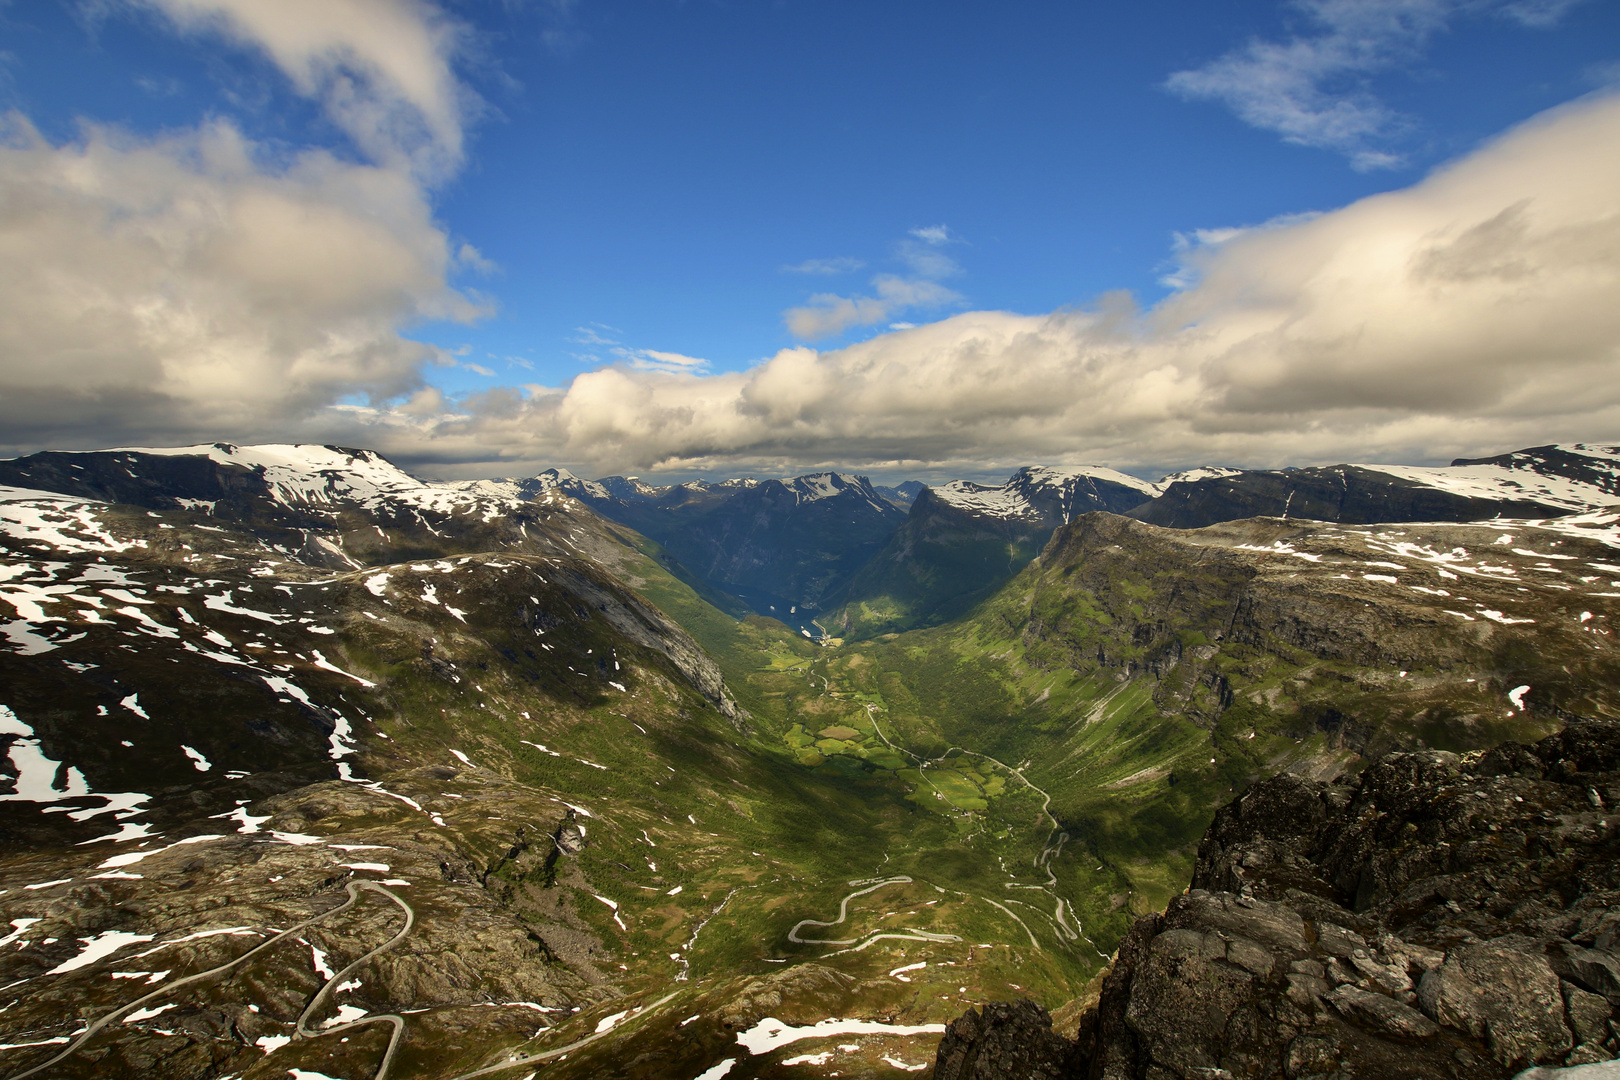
column 1005, row 1041
column 1435, row 917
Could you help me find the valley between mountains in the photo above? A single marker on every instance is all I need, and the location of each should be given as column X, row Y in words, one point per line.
column 314, row 769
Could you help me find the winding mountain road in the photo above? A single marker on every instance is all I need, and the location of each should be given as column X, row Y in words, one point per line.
column 843, row 913
column 354, row 889
column 559, row 1051
column 1056, row 837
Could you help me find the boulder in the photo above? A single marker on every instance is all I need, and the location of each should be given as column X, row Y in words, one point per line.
column 1507, row 996
column 1004, row 1041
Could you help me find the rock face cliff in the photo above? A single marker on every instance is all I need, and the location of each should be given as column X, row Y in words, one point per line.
column 1437, row 916
column 942, row 560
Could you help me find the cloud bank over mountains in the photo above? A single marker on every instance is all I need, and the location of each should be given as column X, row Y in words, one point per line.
column 198, row 286
column 176, row 288
column 1472, row 311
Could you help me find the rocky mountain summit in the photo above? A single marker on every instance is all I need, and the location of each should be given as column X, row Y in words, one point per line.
column 1435, row 916
column 1050, row 495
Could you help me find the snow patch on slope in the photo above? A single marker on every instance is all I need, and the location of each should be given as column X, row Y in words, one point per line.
column 1497, row 482
column 1203, row 472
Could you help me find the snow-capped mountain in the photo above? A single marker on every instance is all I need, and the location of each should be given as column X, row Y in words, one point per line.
column 1202, row 472
column 1541, row 482
column 783, row 543
column 1574, row 476
column 632, row 491
column 807, row 488
column 328, row 505
column 288, row 484
column 831, row 485
column 1049, row 493
column 961, row 540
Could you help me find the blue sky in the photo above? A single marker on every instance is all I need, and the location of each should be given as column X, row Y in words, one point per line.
column 684, row 191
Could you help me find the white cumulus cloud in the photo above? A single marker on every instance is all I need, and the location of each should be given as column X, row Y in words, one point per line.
column 826, row 315
column 173, row 287
column 180, row 287
column 1471, row 312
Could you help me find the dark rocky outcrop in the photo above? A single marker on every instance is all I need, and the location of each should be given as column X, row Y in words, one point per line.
column 159, row 482
column 1438, row 916
column 238, row 492
column 1004, row 1041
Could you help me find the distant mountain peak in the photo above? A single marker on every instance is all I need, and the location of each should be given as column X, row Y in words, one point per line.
column 569, row 484
column 291, row 482
column 1060, row 475
column 1202, row 472
column 1535, row 483
column 824, row 485
column 1039, row 493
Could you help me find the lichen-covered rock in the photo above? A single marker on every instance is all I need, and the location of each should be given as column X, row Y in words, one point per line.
column 1380, row 1013
column 1192, row 997
column 1506, row 996
column 1597, row 970
column 1588, row 1015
